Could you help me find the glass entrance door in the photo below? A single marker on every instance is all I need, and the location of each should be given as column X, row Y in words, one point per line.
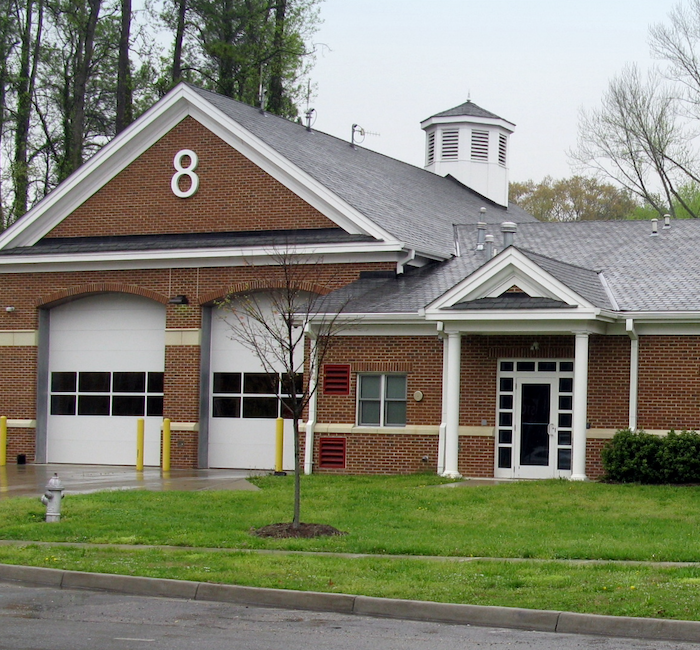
column 535, row 424
column 534, row 418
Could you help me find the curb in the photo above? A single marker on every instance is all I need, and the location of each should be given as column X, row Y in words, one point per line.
column 414, row 610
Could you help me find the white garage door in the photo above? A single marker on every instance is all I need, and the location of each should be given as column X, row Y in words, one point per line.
column 245, row 404
column 106, row 362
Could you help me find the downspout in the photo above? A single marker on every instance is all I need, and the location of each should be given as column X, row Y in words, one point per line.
column 313, row 402
column 634, row 372
column 410, row 256
column 443, row 422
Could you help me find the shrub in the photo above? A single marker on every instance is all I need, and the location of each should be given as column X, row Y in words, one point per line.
column 640, row 457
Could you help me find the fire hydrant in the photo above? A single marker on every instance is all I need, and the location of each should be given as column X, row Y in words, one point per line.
column 52, row 498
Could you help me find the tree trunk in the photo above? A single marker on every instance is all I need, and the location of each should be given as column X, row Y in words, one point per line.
column 29, row 54
column 276, row 93
column 179, row 37
column 82, row 72
column 124, row 115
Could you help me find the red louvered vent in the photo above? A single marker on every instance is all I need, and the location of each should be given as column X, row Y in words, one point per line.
column 336, row 379
column 331, row 453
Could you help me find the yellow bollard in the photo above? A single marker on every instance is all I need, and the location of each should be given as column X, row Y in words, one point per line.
column 139, row 444
column 166, row 445
column 3, row 441
column 279, row 448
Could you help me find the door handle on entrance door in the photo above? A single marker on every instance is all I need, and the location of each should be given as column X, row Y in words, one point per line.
column 551, row 429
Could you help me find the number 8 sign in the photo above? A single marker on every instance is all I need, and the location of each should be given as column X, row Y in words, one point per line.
column 188, row 171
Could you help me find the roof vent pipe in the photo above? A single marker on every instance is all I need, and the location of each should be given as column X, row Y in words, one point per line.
column 508, row 228
column 654, row 227
column 489, row 246
column 667, row 221
column 480, row 234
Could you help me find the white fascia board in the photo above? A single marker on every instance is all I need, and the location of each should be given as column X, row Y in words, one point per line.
column 98, row 170
column 509, row 266
column 455, row 119
column 181, row 258
column 517, row 315
column 557, row 327
column 368, row 328
column 181, row 102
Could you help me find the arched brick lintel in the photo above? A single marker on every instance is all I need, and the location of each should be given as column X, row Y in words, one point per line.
column 84, row 290
column 259, row 285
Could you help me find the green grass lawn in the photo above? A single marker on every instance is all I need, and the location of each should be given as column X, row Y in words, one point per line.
column 411, row 515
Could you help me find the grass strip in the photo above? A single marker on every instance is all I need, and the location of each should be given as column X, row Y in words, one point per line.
column 640, row 590
column 409, row 515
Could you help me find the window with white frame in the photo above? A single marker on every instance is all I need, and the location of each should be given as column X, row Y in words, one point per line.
column 381, row 400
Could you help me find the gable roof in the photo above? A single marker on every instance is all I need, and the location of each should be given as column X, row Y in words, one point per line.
column 615, row 266
column 364, row 192
column 414, row 205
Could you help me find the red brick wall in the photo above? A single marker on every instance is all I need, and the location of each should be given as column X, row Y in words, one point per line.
column 594, row 463
column 608, row 381
column 234, row 194
column 669, row 382
column 18, row 382
column 420, row 357
column 377, row 453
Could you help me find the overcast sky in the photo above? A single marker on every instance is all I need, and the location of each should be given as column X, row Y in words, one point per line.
column 391, row 63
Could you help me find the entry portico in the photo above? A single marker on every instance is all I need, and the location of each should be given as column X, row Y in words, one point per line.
column 540, row 427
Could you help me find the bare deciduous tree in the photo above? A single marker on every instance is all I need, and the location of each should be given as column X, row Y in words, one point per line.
column 639, row 139
column 290, row 328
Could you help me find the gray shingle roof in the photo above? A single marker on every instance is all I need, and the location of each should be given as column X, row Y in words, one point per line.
column 414, row 205
column 644, row 273
column 469, row 109
column 65, row 246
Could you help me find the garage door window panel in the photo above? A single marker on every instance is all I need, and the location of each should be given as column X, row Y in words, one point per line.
column 123, row 393
column 94, row 382
column 255, row 395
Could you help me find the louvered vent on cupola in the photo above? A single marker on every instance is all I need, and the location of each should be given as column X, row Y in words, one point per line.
column 450, row 144
column 431, row 148
column 480, row 145
column 502, row 149
column 515, row 289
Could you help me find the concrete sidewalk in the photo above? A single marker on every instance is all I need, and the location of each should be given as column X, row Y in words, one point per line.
column 30, row 480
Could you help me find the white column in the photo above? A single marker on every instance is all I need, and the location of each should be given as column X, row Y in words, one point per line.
column 443, row 421
column 454, row 354
column 313, row 402
column 580, row 406
column 634, row 373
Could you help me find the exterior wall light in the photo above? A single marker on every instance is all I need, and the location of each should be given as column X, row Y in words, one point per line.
column 178, row 300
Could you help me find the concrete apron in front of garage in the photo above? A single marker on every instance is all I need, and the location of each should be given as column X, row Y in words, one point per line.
column 30, row 480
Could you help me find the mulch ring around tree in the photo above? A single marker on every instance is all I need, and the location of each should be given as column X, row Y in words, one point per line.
column 304, row 530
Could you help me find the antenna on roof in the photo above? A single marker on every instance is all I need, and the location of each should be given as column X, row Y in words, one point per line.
column 358, row 130
column 309, row 115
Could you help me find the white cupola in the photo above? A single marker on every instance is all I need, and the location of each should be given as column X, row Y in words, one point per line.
column 470, row 144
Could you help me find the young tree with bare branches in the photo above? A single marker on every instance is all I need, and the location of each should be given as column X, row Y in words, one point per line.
column 290, row 328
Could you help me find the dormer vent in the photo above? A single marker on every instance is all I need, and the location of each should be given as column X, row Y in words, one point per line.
column 502, row 149
column 430, row 158
column 471, row 145
column 450, row 144
column 480, row 145
column 508, row 228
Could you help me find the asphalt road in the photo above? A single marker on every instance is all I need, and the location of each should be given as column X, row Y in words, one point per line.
column 40, row 618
